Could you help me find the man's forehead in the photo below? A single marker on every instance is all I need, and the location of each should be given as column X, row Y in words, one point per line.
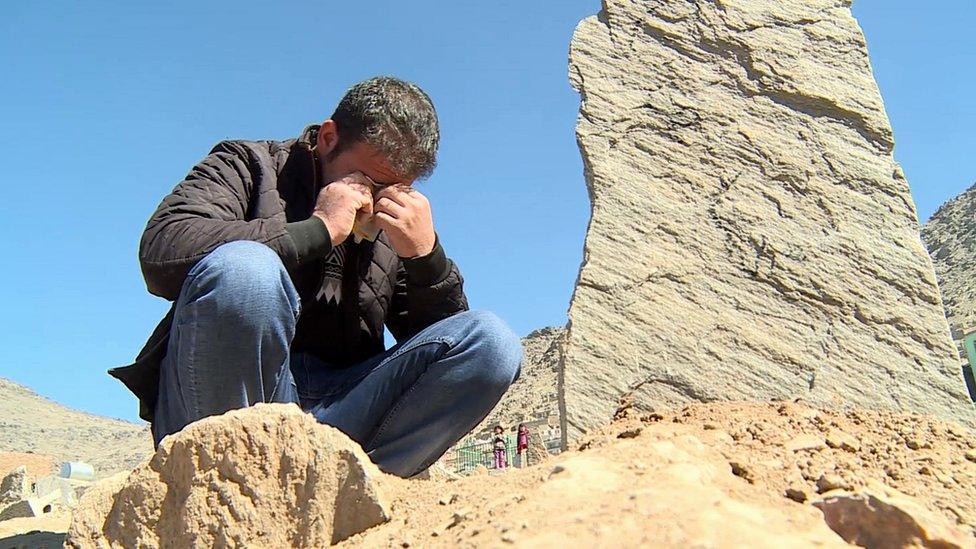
column 378, row 167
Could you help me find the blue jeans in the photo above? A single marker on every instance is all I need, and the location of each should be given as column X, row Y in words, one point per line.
column 229, row 348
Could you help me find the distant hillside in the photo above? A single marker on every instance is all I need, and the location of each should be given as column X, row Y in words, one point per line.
column 950, row 236
column 32, row 423
column 534, row 395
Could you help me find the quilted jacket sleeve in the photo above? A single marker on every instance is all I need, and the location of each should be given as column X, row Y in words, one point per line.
column 208, row 208
column 428, row 289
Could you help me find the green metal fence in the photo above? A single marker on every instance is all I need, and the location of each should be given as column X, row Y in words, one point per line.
column 472, row 453
column 969, row 344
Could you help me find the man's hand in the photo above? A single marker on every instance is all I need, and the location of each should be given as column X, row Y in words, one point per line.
column 404, row 214
column 339, row 202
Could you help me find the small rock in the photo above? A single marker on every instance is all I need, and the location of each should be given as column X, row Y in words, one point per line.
column 209, row 467
column 30, row 507
column 62, row 486
column 798, row 495
column 556, row 470
column 15, row 486
column 508, row 537
column 741, row 471
column 809, row 413
column 458, row 517
column 945, row 479
column 624, row 406
column 710, row 426
column 839, row 439
column 827, row 483
column 805, row 442
column 880, row 516
column 630, row 433
column 448, row 500
column 971, row 455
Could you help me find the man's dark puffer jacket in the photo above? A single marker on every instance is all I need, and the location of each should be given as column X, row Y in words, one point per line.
column 265, row 191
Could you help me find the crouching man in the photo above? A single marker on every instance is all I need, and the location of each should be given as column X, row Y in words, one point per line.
column 284, row 260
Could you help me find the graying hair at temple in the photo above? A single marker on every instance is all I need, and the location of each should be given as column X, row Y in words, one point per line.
column 395, row 117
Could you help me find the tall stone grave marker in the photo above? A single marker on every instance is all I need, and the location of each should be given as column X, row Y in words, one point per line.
column 752, row 236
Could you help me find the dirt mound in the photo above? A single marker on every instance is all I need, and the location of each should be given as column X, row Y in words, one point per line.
column 718, row 474
column 267, row 476
column 792, row 449
column 32, row 424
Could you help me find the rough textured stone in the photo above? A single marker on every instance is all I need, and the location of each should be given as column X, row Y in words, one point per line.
column 839, row 439
column 30, row 507
column 805, row 442
column 536, row 452
column 89, row 514
column 14, row 487
column 60, row 487
column 751, row 236
column 267, row 476
column 880, row 516
column 950, row 236
column 46, row 531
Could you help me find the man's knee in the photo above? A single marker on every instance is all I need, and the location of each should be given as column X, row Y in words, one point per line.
column 248, row 277
column 498, row 347
column 240, row 263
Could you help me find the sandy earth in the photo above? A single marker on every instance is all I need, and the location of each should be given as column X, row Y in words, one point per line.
column 46, row 531
column 717, row 473
column 764, row 452
column 920, row 456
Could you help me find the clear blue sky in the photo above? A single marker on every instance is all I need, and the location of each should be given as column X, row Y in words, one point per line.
column 106, row 106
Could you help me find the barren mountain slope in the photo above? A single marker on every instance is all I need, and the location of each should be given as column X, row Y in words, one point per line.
column 950, row 236
column 534, row 394
column 32, row 423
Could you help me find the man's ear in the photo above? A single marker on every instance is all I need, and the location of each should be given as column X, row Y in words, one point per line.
column 328, row 138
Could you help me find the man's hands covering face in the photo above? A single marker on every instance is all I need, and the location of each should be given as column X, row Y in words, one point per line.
column 404, row 215
column 400, row 211
column 339, row 202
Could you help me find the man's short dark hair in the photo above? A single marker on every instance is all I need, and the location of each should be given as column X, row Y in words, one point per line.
column 395, row 117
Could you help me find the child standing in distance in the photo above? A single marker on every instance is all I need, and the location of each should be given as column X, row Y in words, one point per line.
column 522, row 444
column 501, row 460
